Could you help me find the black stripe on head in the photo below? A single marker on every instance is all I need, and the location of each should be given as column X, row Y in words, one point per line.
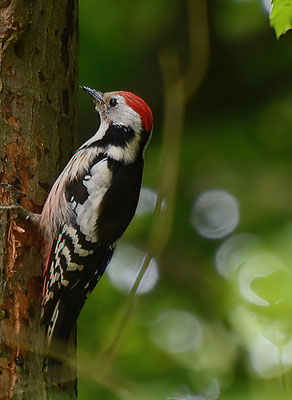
column 116, row 135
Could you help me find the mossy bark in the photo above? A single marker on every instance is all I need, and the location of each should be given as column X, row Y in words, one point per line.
column 38, row 89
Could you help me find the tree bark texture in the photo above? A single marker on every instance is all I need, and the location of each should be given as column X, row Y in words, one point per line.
column 38, row 90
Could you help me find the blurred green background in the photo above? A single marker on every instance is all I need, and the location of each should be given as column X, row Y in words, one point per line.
column 213, row 318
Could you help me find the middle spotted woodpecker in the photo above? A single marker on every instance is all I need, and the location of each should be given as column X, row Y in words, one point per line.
column 90, row 205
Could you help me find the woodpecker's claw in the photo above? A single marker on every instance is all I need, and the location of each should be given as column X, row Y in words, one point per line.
column 17, row 207
column 35, row 218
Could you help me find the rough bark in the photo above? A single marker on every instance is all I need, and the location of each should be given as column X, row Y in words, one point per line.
column 38, row 75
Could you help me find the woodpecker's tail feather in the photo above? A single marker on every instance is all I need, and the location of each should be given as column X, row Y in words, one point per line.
column 60, row 365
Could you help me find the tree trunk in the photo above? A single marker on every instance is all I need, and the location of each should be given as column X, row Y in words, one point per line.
column 38, row 90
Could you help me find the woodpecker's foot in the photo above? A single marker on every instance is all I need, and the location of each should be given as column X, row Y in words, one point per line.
column 21, row 211
column 35, row 218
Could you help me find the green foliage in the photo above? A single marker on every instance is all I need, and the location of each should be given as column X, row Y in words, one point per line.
column 245, row 19
column 281, row 16
column 234, row 314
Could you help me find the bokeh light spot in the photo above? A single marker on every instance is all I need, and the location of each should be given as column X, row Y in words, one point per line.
column 260, row 266
column 211, row 392
column 233, row 252
column 215, row 213
column 147, row 201
column 187, row 397
column 176, row 331
column 265, row 357
column 267, row 5
column 125, row 265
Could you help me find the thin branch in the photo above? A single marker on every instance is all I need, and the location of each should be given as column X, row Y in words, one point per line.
column 178, row 89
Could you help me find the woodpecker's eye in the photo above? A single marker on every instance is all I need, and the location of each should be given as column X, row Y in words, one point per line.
column 113, row 102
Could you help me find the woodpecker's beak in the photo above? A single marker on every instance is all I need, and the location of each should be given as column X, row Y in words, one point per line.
column 96, row 95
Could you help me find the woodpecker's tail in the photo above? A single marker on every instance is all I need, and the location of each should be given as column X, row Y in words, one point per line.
column 60, row 365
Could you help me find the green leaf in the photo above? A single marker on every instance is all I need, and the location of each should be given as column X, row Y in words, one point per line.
column 281, row 16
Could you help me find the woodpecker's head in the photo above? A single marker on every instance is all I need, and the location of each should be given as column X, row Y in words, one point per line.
column 125, row 124
column 122, row 108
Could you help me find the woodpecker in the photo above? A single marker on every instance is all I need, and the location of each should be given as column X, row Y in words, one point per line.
column 90, row 205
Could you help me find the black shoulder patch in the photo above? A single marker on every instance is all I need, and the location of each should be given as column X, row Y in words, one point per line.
column 76, row 191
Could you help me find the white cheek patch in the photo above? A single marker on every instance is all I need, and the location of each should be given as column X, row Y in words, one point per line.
column 125, row 115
